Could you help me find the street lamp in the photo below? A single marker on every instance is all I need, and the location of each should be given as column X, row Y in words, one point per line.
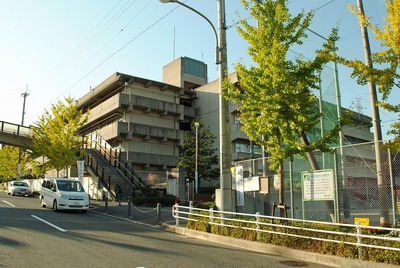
column 196, row 173
column 224, row 130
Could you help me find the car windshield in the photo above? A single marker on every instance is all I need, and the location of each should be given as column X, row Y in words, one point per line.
column 20, row 183
column 70, row 186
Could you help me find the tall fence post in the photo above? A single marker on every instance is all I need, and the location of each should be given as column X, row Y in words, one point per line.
column 211, row 215
column 392, row 187
column 257, row 216
column 129, row 207
column 358, row 227
column 158, row 213
column 106, row 202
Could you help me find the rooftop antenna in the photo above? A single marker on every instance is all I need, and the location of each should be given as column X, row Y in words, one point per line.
column 173, row 52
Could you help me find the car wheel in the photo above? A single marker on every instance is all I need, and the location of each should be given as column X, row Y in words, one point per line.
column 42, row 203
column 55, row 205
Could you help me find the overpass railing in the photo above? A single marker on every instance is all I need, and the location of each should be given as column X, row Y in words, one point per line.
column 15, row 129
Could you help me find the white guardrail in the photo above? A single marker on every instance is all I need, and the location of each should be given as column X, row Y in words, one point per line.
column 360, row 232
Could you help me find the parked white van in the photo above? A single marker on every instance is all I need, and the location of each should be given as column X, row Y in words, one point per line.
column 61, row 193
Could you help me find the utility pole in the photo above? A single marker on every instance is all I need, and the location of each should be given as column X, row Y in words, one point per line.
column 24, row 95
column 225, row 190
column 383, row 186
column 224, row 124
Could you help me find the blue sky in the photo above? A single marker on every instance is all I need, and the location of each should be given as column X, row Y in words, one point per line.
column 60, row 48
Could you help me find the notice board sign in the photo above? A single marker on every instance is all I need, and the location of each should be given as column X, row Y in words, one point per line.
column 252, row 184
column 318, row 185
column 239, row 187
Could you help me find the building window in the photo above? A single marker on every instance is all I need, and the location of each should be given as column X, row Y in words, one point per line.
column 194, row 67
column 246, row 148
column 236, row 116
column 242, row 148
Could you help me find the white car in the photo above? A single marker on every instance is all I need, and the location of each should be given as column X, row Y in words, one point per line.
column 64, row 194
column 19, row 188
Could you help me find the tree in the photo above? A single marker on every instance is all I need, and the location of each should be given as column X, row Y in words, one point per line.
column 9, row 164
column 386, row 75
column 55, row 134
column 207, row 160
column 277, row 106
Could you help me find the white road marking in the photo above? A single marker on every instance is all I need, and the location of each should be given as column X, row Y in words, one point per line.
column 8, row 203
column 48, row 223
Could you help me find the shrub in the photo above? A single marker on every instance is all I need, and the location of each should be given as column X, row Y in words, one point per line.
column 271, row 235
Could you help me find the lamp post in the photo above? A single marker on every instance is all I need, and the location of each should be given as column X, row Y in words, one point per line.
column 224, row 129
column 196, row 173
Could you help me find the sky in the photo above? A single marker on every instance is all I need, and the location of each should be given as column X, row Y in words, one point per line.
column 53, row 49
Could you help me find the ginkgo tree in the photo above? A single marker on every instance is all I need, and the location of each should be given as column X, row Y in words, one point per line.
column 383, row 69
column 55, row 134
column 9, row 161
column 277, row 104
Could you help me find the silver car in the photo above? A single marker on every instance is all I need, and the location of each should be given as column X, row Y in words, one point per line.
column 19, row 188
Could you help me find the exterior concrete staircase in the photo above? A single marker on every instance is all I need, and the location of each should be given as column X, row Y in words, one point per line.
column 102, row 162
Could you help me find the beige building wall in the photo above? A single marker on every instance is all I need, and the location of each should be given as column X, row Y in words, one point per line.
column 186, row 73
column 143, row 119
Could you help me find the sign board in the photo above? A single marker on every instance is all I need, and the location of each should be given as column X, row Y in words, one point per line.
column 264, row 185
column 252, row 184
column 277, row 182
column 239, row 186
column 318, row 185
column 81, row 169
column 362, row 221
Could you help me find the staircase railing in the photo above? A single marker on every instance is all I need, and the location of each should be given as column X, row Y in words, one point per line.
column 100, row 170
column 112, row 156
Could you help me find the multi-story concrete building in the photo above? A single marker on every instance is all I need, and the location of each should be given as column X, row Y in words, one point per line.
column 145, row 120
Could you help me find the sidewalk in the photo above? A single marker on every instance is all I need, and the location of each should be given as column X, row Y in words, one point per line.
column 150, row 216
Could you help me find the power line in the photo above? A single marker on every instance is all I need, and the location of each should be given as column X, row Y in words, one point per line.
column 123, row 47
column 85, row 41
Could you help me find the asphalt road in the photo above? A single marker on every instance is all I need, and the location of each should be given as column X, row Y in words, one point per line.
column 31, row 236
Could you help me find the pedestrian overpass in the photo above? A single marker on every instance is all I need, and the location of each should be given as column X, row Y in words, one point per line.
column 15, row 135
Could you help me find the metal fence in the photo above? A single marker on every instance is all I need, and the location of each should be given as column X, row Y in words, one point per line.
column 358, row 192
column 356, row 235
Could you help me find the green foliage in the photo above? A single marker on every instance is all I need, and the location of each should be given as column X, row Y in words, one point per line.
column 199, row 222
column 205, row 205
column 153, row 200
column 55, row 134
column 383, row 68
column 275, row 94
column 207, row 159
column 9, row 164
